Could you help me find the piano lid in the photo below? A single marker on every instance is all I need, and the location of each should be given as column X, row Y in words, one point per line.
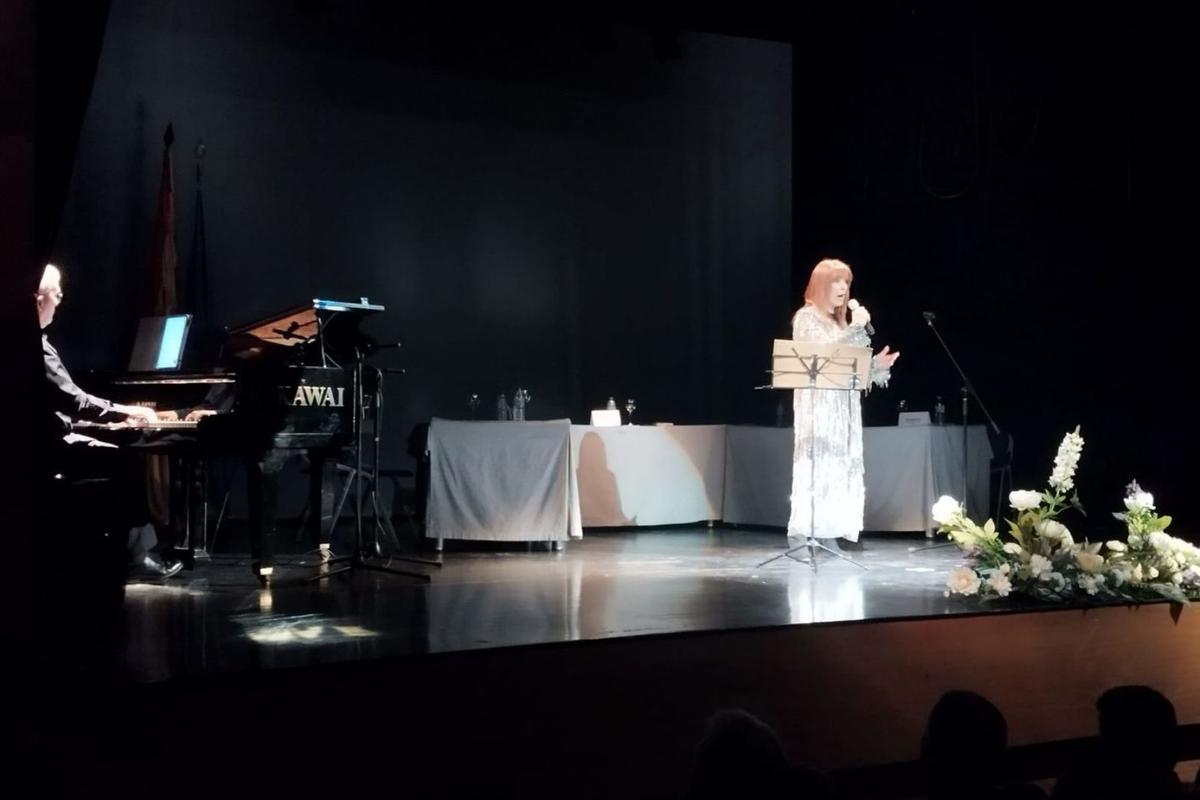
column 283, row 329
column 296, row 326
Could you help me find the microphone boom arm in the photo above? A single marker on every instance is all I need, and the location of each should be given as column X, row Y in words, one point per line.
column 970, row 387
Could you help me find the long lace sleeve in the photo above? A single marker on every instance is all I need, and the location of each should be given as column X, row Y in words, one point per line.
column 879, row 376
column 858, row 336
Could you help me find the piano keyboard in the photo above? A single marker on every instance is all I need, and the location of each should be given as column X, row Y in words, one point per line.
column 174, row 380
column 159, row 425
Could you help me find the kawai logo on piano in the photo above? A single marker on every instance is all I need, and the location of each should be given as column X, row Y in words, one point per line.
column 322, row 396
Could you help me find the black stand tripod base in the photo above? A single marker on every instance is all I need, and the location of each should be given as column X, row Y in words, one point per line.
column 351, row 563
column 925, row 547
column 812, row 545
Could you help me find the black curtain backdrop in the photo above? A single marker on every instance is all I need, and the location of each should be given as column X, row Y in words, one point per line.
column 70, row 37
column 1027, row 174
column 580, row 210
column 588, row 210
column 48, row 55
column 48, row 58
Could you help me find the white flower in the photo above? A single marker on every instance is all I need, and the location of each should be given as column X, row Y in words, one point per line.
column 963, row 580
column 1140, row 501
column 1152, row 573
column 946, row 510
column 1057, row 579
column 1115, row 546
column 1191, row 576
column 1089, row 562
column 1161, row 542
column 1137, row 576
column 1012, row 548
column 1185, row 551
column 1000, row 584
column 1023, row 500
column 1066, row 460
column 1091, row 583
column 1039, row 565
column 1052, row 529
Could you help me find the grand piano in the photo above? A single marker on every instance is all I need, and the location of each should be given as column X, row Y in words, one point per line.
column 287, row 388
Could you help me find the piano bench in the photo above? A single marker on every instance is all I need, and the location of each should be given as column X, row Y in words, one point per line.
column 396, row 474
column 87, row 523
column 347, row 472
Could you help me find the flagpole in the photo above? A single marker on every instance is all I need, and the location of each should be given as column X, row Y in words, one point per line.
column 197, row 283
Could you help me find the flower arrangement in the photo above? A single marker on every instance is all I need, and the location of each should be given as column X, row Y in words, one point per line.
column 1038, row 556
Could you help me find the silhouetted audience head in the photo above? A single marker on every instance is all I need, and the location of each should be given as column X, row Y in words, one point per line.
column 963, row 750
column 1138, row 723
column 965, row 734
column 1136, row 757
column 740, row 756
column 737, row 750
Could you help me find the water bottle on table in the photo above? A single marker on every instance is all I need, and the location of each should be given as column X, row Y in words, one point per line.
column 520, row 400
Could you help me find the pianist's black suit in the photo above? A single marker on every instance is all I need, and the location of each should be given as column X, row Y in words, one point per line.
column 125, row 508
column 63, row 395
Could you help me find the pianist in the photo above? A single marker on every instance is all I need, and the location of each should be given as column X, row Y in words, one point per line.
column 69, row 402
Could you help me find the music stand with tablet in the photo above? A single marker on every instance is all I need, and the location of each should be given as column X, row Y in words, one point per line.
column 159, row 343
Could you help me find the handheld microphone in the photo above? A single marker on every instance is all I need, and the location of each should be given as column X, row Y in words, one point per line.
column 929, row 316
column 854, row 305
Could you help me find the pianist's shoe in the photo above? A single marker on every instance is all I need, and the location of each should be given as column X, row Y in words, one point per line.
column 154, row 567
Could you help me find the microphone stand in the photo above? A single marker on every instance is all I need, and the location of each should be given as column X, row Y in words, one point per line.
column 967, row 391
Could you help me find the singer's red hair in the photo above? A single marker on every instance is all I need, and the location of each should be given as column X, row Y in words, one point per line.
column 823, row 275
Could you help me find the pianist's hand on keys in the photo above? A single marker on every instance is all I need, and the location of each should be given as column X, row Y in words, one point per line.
column 136, row 415
column 195, row 415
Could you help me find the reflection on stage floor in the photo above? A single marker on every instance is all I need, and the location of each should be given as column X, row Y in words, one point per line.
column 612, row 584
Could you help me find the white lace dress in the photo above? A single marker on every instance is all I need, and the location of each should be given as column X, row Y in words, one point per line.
column 832, row 421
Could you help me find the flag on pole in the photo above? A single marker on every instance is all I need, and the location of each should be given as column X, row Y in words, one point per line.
column 196, row 298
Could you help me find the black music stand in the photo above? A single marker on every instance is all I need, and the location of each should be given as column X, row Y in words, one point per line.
column 361, row 559
column 311, row 323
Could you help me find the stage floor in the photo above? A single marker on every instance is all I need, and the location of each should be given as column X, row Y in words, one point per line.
column 216, row 618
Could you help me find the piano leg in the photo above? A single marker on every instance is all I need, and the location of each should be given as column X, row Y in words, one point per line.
column 186, row 500
column 198, row 508
column 317, row 532
column 262, row 483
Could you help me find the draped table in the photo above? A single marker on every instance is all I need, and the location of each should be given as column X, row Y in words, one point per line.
column 509, row 481
column 906, row 470
column 545, row 481
column 649, row 474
